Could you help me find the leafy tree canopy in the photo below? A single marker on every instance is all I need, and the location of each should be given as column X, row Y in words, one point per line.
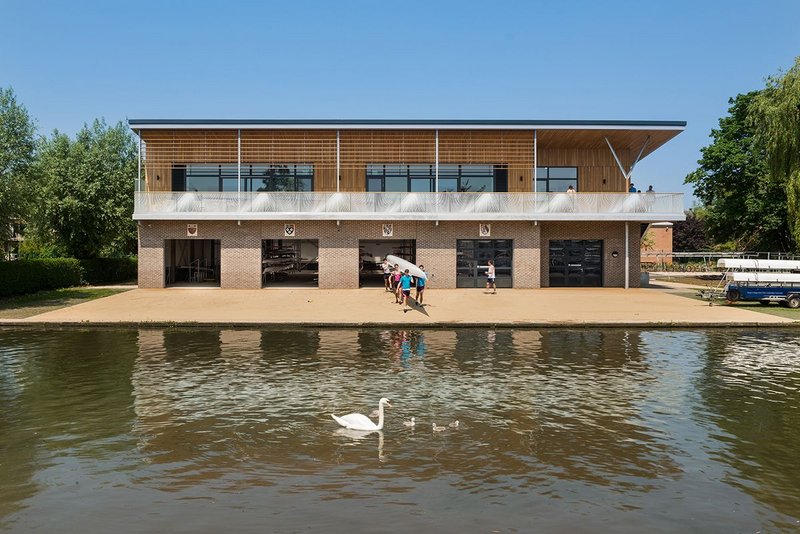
column 775, row 119
column 17, row 144
column 87, row 189
column 690, row 235
column 743, row 204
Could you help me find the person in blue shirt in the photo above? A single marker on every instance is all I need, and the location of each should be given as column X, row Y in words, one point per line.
column 405, row 285
column 632, row 188
column 420, row 287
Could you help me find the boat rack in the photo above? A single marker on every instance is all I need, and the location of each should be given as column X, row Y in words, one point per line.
column 765, row 281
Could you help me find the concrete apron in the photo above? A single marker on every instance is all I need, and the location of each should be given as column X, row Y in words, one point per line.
column 579, row 307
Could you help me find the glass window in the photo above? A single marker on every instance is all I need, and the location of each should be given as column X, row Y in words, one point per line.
column 255, row 177
column 556, row 179
column 421, row 178
column 400, row 178
column 563, row 172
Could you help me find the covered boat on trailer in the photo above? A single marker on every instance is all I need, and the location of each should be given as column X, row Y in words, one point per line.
column 764, row 281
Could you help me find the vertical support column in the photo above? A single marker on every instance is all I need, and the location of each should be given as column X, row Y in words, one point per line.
column 338, row 160
column 535, row 158
column 627, row 257
column 436, row 179
column 239, row 160
column 139, row 175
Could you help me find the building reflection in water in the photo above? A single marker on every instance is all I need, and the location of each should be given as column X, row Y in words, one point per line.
column 535, row 406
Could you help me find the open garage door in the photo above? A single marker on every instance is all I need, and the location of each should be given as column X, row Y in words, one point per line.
column 372, row 254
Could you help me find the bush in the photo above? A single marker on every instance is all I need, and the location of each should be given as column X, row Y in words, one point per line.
column 29, row 276
column 99, row 271
column 31, row 249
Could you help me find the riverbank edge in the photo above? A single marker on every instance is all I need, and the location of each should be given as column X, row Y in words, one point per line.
column 394, row 325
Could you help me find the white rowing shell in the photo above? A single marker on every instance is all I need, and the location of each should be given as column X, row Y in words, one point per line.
column 413, row 270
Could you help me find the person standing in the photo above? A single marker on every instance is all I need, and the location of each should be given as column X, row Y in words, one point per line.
column 396, row 275
column 387, row 273
column 490, row 278
column 405, row 285
column 632, row 188
column 421, row 282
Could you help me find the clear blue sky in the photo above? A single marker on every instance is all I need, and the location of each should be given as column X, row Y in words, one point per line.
column 70, row 62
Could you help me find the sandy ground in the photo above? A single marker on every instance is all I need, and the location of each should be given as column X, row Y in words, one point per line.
column 538, row 307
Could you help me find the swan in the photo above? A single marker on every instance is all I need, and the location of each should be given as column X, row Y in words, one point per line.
column 357, row 421
column 437, row 428
column 410, row 423
column 454, row 424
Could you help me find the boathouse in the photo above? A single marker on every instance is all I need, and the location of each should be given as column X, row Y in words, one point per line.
column 265, row 203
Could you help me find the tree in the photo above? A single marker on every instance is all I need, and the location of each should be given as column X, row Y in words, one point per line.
column 775, row 119
column 743, row 204
column 86, row 197
column 17, row 144
column 689, row 235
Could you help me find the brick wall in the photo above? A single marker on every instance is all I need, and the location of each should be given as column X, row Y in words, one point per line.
column 240, row 254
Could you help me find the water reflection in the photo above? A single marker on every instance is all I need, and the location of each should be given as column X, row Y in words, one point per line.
column 751, row 391
column 668, row 428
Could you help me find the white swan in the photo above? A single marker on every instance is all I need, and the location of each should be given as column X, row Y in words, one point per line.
column 357, row 421
column 454, row 424
column 410, row 423
column 437, row 428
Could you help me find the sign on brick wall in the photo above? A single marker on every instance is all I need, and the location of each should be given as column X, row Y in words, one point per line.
column 289, row 230
column 191, row 230
column 485, row 230
column 388, row 230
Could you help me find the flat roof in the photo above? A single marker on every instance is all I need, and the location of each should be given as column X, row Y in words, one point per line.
column 137, row 124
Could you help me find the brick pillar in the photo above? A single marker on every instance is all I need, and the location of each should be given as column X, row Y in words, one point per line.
column 151, row 255
column 240, row 255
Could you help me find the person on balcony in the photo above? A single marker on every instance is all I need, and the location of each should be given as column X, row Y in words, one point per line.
column 632, row 188
column 570, row 189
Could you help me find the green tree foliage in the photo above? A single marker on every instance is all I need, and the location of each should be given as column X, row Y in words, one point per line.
column 743, row 204
column 775, row 119
column 86, row 197
column 17, row 144
column 690, row 235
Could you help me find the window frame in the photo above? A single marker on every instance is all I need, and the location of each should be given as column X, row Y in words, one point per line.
column 546, row 181
column 229, row 172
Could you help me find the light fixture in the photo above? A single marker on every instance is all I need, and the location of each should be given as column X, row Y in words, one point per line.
column 615, row 254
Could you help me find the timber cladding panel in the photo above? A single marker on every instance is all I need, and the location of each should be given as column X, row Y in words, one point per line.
column 597, row 170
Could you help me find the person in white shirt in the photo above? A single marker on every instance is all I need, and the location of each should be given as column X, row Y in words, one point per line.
column 387, row 275
column 490, row 283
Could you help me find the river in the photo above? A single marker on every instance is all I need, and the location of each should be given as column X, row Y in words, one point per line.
column 209, row 430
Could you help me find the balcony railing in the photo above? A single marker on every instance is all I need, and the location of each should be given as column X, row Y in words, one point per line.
column 409, row 206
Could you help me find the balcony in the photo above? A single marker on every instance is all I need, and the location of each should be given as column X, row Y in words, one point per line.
column 642, row 207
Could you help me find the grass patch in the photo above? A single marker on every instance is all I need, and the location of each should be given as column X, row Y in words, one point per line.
column 25, row 306
column 772, row 309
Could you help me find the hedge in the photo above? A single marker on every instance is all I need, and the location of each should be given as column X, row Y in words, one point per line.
column 28, row 276
column 100, row 271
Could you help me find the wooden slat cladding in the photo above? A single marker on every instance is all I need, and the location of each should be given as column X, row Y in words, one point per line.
column 359, row 147
column 486, row 146
column 585, row 149
column 203, row 146
column 289, row 146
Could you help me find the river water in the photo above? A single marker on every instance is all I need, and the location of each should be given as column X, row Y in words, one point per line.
column 203, row 430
